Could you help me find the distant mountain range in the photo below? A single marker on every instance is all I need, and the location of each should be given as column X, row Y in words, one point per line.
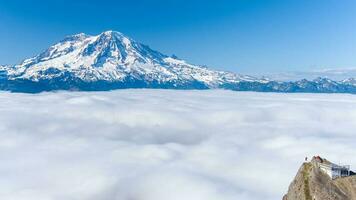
column 112, row 60
column 334, row 74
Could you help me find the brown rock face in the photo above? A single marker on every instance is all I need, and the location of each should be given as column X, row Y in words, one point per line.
column 311, row 183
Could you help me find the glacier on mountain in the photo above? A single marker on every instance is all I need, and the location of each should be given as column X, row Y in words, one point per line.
column 112, row 60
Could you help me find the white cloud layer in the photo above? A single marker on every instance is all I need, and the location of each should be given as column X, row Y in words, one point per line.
column 167, row 145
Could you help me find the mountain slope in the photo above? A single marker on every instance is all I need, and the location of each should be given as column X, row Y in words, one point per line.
column 311, row 183
column 108, row 61
column 111, row 60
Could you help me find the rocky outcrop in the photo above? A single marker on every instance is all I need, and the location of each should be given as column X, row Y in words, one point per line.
column 311, row 183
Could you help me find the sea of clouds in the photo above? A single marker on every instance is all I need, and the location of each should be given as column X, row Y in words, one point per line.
column 167, row 145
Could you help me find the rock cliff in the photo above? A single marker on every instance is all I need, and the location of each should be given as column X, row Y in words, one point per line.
column 312, row 183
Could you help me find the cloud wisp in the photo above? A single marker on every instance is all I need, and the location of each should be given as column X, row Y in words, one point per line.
column 164, row 144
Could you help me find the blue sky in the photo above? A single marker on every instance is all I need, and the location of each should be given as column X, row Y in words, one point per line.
column 249, row 36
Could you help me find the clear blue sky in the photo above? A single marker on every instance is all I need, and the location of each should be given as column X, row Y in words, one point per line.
column 241, row 35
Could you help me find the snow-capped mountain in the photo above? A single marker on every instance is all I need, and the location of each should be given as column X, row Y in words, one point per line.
column 350, row 81
column 334, row 74
column 112, row 60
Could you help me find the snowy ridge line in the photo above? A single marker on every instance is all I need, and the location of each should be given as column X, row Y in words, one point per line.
column 112, row 60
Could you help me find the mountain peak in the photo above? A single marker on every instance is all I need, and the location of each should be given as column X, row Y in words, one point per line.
column 82, row 36
column 111, row 32
column 79, row 36
column 115, row 37
column 322, row 179
column 116, row 61
column 111, row 60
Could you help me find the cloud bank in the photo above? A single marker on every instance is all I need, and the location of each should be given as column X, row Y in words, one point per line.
column 167, row 145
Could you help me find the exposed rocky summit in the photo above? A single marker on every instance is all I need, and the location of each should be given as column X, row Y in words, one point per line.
column 313, row 183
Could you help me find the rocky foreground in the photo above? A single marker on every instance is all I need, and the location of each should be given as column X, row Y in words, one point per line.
column 312, row 183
